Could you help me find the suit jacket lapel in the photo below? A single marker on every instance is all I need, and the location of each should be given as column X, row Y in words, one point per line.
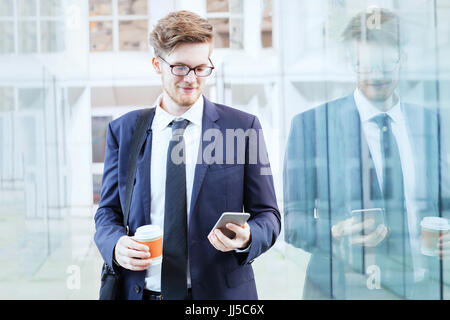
column 210, row 116
column 422, row 131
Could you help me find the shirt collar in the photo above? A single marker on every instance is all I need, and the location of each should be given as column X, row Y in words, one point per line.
column 162, row 118
column 367, row 110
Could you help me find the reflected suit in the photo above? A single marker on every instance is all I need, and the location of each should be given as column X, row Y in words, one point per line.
column 327, row 174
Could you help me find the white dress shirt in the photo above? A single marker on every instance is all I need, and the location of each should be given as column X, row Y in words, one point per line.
column 367, row 111
column 161, row 136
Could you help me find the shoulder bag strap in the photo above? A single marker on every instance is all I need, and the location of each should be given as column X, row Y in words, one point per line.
column 138, row 140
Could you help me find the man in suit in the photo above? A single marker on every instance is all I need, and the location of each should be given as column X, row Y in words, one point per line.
column 357, row 183
column 186, row 198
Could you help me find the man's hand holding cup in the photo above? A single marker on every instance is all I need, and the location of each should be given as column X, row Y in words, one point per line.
column 137, row 253
column 132, row 255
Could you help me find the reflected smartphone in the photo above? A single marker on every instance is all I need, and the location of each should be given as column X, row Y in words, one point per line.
column 239, row 218
column 363, row 215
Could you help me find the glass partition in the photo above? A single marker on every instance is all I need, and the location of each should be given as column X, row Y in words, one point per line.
column 366, row 159
column 42, row 51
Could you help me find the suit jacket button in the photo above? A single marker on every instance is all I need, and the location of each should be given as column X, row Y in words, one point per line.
column 137, row 289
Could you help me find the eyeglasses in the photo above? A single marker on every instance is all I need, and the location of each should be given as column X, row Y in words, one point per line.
column 386, row 66
column 183, row 70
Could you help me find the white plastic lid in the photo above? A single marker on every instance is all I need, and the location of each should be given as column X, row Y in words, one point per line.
column 435, row 223
column 148, row 231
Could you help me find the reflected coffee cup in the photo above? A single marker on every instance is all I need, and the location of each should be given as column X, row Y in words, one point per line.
column 151, row 236
column 432, row 229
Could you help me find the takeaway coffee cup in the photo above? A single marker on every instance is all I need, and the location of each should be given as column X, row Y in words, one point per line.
column 151, row 236
column 432, row 228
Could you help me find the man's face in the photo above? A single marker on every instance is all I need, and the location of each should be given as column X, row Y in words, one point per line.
column 185, row 90
column 377, row 67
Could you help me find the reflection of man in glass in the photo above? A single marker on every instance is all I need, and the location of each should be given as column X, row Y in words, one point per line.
column 357, row 183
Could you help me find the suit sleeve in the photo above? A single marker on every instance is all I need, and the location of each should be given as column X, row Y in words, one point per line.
column 260, row 201
column 109, row 216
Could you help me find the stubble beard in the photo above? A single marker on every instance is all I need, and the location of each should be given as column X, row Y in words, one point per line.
column 183, row 100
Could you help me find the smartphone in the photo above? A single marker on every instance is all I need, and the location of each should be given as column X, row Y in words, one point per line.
column 364, row 215
column 239, row 218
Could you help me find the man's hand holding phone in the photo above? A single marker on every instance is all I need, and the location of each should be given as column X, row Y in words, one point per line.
column 238, row 238
column 364, row 228
column 222, row 243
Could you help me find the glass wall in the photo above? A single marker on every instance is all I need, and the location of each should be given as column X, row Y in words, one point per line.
column 352, row 97
column 43, row 187
column 118, row 25
column 365, row 176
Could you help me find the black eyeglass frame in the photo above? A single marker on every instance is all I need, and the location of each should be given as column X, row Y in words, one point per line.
column 183, row 65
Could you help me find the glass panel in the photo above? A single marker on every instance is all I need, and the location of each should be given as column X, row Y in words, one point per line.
column 266, row 25
column 6, row 99
column 51, row 8
column 28, row 140
column 236, row 6
column 133, row 35
column 221, row 32
column 217, row 6
column 6, row 37
column 364, row 169
column 52, row 36
column 34, row 242
column 99, row 126
column 100, row 7
column 26, row 8
column 40, row 183
column 6, row 8
column 442, row 93
column 243, row 94
column 27, row 36
column 237, row 34
column 100, row 35
column 134, row 7
column 30, row 98
column 2, row 138
column 97, row 187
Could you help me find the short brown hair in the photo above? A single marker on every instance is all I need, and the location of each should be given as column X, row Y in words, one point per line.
column 387, row 31
column 179, row 27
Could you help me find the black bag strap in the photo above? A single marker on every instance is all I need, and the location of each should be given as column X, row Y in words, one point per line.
column 137, row 141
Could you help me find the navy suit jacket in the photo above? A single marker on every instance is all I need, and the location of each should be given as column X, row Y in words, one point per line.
column 324, row 181
column 217, row 188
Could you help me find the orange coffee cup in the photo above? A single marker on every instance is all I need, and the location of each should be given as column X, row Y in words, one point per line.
column 151, row 236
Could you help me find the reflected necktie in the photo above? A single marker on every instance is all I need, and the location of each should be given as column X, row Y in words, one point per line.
column 397, row 254
column 392, row 186
column 174, row 263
